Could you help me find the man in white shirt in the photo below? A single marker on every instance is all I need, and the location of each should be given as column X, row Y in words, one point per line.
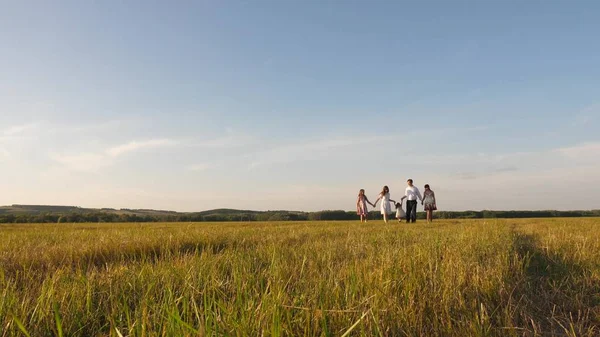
column 411, row 194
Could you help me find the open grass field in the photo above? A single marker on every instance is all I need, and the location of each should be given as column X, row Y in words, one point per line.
column 530, row 277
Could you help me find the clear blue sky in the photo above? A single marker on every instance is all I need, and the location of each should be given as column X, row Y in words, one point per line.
column 299, row 104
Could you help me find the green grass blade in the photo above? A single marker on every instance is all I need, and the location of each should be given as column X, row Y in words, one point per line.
column 59, row 330
column 21, row 326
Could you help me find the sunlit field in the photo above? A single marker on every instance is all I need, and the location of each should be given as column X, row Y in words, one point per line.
column 531, row 277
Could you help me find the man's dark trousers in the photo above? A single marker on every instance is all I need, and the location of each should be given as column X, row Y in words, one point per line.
column 411, row 210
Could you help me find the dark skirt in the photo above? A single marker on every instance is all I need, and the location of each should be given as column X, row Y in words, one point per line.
column 430, row 207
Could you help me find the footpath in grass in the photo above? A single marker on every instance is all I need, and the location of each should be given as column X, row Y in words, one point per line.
column 534, row 277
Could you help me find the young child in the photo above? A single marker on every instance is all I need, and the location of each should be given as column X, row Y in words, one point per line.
column 400, row 214
column 361, row 206
column 386, row 209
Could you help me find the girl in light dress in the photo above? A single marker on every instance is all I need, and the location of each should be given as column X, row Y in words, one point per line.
column 429, row 203
column 400, row 214
column 361, row 205
column 384, row 196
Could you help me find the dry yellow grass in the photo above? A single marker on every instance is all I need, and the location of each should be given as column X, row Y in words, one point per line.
column 533, row 277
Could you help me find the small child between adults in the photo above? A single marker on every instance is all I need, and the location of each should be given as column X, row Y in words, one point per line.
column 400, row 214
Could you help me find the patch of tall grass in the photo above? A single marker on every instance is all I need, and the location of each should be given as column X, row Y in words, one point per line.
column 450, row 278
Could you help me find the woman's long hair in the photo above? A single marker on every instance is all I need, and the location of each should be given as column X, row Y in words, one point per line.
column 385, row 190
column 361, row 192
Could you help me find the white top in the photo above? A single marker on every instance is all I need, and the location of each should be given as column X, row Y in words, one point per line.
column 385, row 204
column 412, row 193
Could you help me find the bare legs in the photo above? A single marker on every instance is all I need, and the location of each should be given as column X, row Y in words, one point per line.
column 429, row 216
column 363, row 218
column 385, row 218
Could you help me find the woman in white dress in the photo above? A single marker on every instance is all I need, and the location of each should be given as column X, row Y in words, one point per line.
column 386, row 208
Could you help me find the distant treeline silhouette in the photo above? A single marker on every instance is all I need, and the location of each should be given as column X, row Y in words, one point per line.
column 71, row 214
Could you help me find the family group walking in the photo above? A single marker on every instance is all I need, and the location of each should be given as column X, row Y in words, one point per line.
column 411, row 193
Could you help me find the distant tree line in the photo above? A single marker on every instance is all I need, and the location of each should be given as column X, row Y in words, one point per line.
column 235, row 215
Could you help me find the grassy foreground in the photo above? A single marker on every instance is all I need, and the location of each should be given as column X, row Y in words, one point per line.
column 452, row 278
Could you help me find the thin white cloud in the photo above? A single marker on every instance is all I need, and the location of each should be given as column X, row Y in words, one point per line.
column 200, row 167
column 17, row 130
column 11, row 134
column 231, row 139
column 349, row 146
column 515, row 181
column 42, row 129
column 92, row 162
column 313, row 149
column 86, row 128
column 581, row 120
column 139, row 145
column 85, row 162
column 453, row 130
column 526, row 189
column 587, row 150
column 4, row 154
column 533, row 180
column 518, row 180
column 587, row 115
